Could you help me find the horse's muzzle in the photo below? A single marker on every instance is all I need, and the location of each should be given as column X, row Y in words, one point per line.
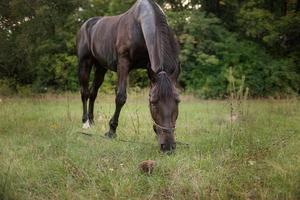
column 168, row 147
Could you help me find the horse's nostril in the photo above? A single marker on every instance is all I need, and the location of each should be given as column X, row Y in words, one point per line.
column 167, row 147
column 174, row 146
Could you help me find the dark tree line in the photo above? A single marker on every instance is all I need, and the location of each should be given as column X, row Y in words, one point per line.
column 258, row 39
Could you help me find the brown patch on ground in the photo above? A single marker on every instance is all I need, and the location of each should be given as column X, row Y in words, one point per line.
column 147, row 166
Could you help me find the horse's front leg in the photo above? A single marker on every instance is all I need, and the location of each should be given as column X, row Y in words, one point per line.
column 121, row 96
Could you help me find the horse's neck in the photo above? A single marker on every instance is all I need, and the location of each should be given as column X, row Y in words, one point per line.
column 157, row 36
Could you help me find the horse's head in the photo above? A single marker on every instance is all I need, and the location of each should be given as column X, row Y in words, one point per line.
column 164, row 101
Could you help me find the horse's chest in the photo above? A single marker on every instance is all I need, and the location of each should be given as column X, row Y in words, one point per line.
column 140, row 57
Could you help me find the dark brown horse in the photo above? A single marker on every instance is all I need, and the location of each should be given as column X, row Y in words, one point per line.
column 139, row 38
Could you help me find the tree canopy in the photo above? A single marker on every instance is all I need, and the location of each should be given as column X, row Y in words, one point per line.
column 258, row 39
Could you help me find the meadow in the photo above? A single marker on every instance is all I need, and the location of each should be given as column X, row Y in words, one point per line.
column 227, row 150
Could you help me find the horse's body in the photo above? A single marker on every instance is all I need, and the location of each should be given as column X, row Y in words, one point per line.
column 139, row 38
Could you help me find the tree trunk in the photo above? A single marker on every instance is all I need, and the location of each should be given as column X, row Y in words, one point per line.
column 212, row 6
column 298, row 6
column 284, row 7
column 271, row 6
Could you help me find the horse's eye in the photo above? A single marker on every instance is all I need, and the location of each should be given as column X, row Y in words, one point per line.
column 153, row 103
column 177, row 99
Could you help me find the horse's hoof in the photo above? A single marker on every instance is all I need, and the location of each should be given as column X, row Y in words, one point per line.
column 110, row 135
column 91, row 122
column 86, row 125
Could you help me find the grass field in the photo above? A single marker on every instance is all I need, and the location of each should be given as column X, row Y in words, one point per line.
column 256, row 155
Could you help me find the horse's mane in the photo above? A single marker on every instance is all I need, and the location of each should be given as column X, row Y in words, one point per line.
column 166, row 44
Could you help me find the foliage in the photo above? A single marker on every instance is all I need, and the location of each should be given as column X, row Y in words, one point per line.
column 209, row 50
column 259, row 39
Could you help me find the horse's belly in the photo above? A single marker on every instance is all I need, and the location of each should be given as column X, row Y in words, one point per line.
column 107, row 61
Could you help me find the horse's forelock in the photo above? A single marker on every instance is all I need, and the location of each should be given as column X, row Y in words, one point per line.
column 163, row 87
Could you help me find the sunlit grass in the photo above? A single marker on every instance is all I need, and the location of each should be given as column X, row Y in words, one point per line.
column 43, row 155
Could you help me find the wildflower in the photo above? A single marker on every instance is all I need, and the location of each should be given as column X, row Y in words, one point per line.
column 251, row 162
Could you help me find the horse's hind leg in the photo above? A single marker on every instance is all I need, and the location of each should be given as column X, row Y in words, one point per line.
column 84, row 70
column 121, row 96
column 98, row 80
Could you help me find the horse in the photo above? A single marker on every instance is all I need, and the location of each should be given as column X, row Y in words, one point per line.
column 138, row 38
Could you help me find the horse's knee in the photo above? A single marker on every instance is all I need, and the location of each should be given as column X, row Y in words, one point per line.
column 121, row 98
column 85, row 93
column 93, row 96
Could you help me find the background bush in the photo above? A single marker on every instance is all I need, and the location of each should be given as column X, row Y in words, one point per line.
column 258, row 39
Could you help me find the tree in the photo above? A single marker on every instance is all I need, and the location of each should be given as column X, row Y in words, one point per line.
column 259, row 39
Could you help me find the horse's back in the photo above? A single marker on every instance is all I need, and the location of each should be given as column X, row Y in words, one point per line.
column 107, row 38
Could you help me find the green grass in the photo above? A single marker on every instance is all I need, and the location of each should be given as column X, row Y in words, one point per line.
column 42, row 155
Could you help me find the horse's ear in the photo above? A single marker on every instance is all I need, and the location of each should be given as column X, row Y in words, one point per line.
column 151, row 73
column 176, row 72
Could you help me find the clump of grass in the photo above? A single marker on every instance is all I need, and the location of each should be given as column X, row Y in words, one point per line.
column 238, row 103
